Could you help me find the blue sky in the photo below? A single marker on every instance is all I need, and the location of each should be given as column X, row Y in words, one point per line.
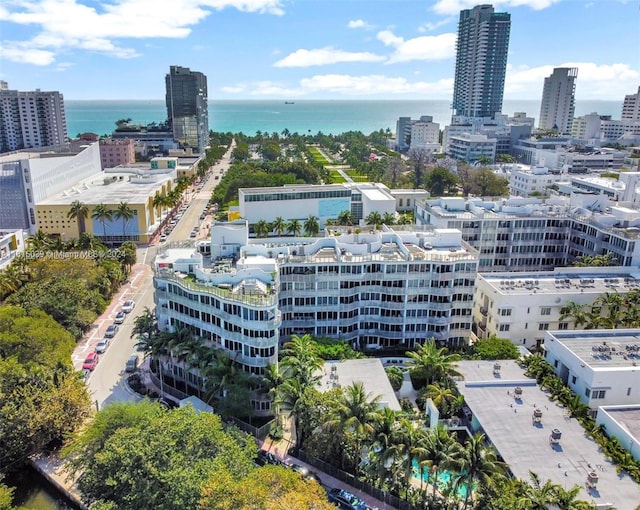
column 307, row 49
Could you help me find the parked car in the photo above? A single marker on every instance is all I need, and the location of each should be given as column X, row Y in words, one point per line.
column 91, row 362
column 265, row 457
column 132, row 363
column 102, row 345
column 306, row 473
column 120, row 316
column 128, row 306
column 203, row 216
column 193, row 234
column 163, row 238
column 346, row 500
column 111, row 331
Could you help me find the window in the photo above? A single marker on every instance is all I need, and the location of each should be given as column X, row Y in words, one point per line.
column 504, row 327
column 563, row 326
column 587, row 392
column 543, row 326
column 505, row 312
column 545, row 310
column 598, row 394
column 628, row 391
column 555, row 363
column 573, row 379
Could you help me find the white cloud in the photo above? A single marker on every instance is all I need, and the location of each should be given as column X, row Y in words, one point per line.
column 359, row 23
column 375, row 84
column 63, row 66
column 430, row 27
column 325, row 56
column 438, row 47
column 347, row 85
column 69, row 24
column 16, row 53
column 450, row 7
column 595, row 81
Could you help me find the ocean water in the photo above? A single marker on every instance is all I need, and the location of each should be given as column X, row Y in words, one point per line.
column 303, row 117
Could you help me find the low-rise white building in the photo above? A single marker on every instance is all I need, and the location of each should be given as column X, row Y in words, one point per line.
column 472, row 147
column 623, row 423
column 523, row 306
column 525, row 180
column 601, row 366
column 325, row 202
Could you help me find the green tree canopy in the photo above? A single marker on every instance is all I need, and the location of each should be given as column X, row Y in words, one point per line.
column 137, row 456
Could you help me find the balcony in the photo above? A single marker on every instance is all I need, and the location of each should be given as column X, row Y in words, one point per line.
column 483, row 311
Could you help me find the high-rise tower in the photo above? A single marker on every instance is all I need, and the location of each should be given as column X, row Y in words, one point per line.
column 481, row 61
column 631, row 107
column 558, row 100
column 31, row 119
column 187, row 106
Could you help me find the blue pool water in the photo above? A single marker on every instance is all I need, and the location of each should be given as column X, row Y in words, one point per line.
column 443, row 480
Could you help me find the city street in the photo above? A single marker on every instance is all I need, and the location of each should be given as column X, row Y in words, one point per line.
column 106, row 382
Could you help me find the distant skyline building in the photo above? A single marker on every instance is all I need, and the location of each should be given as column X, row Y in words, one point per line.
column 31, row 119
column 187, row 106
column 631, row 107
column 558, row 100
column 481, row 61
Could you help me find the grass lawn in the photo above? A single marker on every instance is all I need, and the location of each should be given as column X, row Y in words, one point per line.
column 317, row 156
column 336, row 177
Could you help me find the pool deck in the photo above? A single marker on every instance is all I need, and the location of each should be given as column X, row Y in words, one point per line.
column 526, row 446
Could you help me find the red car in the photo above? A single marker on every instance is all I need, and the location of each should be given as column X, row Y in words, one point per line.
column 91, row 361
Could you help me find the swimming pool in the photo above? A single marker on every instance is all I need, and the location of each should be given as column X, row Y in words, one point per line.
column 444, row 479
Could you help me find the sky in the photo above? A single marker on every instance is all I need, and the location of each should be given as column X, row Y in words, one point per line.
column 307, row 49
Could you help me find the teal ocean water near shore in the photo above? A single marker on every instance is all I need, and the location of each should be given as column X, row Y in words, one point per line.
column 327, row 116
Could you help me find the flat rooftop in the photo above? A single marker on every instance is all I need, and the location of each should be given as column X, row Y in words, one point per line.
column 603, row 348
column 627, row 416
column 93, row 190
column 369, row 372
column 526, row 446
column 563, row 282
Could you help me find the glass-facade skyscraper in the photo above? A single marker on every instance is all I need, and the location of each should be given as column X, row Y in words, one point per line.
column 187, row 107
column 481, row 61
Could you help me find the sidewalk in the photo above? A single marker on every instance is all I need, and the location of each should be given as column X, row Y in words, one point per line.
column 280, row 448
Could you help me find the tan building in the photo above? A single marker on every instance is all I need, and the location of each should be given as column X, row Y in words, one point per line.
column 117, row 152
column 136, row 185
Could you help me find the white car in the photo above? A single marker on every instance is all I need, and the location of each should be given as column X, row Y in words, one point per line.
column 128, row 306
column 163, row 238
column 102, row 345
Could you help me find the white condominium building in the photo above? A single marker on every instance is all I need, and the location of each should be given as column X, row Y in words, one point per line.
column 524, row 180
column 523, row 306
column 386, row 289
column 528, row 234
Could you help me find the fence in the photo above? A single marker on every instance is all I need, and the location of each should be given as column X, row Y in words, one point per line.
column 379, row 494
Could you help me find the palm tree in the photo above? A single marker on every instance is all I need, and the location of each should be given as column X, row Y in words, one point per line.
column 40, row 241
column 354, row 417
column 311, row 226
column 477, row 464
column 404, row 219
column 442, row 398
column 407, row 439
column 437, row 452
column 126, row 214
column 80, row 212
column 261, row 229
column 430, row 363
column 389, row 218
column 374, row 218
column 345, row 218
column 292, row 399
column 301, row 360
column 294, row 227
column 279, row 225
column 102, row 214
